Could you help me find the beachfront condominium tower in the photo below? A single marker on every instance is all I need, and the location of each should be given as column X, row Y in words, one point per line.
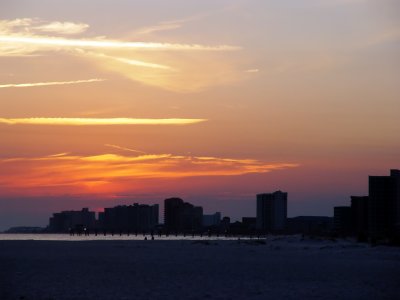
column 359, row 215
column 271, row 211
column 182, row 216
column 384, row 205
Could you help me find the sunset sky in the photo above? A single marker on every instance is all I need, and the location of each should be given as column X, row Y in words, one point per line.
column 113, row 102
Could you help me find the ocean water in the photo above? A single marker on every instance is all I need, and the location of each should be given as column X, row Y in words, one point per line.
column 101, row 237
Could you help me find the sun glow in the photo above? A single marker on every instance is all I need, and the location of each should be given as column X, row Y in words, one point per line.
column 108, row 171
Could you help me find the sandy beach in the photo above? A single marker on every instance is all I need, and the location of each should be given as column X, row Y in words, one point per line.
column 280, row 268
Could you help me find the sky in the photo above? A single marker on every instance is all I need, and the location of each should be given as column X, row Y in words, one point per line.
column 214, row 101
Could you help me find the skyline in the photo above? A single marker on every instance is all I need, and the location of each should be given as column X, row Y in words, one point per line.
column 210, row 101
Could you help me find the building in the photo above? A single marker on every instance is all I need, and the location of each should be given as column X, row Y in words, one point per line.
column 359, row 216
column 225, row 224
column 271, row 211
column 72, row 220
column 133, row 218
column 172, row 211
column 181, row 216
column 213, row 220
column 384, row 205
column 249, row 224
column 315, row 225
column 342, row 220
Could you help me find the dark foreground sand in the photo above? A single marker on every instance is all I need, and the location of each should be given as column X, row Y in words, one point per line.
column 286, row 268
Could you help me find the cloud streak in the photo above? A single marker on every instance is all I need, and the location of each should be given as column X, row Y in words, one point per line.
column 159, row 27
column 128, row 61
column 30, row 26
column 110, row 172
column 156, row 64
column 63, row 27
column 104, row 44
column 97, row 121
column 36, row 84
column 124, row 148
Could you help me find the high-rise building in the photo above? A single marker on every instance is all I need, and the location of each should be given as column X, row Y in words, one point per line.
column 271, row 211
column 172, row 211
column 212, row 220
column 384, row 205
column 71, row 220
column 396, row 175
column 249, row 224
column 342, row 220
column 359, row 215
column 314, row 225
column 181, row 216
column 136, row 217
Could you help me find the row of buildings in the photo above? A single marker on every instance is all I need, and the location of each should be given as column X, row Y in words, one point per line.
column 132, row 218
column 179, row 216
column 376, row 216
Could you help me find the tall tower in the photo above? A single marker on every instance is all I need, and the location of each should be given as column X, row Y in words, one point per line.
column 172, row 213
column 384, row 205
column 271, row 211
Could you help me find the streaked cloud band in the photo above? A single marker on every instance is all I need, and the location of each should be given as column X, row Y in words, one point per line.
column 34, row 84
column 62, row 42
column 109, row 173
column 97, row 121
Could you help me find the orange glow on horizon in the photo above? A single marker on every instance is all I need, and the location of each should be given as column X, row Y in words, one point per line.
column 108, row 173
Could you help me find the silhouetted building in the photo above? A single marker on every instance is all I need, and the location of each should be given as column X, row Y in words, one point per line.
column 172, row 212
column 249, row 224
column 315, row 225
column 67, row 220
column 225, row 224
column 271, row 211
column 384, row 205
column 181, row 216
column 359, row 216
column 342, row 221
column 213, row 220
column 136, row 217
column 236, row 228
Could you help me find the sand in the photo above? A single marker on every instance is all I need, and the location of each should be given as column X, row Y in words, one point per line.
column 282, row 268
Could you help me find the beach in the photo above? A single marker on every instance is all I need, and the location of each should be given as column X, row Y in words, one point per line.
column 273, row 268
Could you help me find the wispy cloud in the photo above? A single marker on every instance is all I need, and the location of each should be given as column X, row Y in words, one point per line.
column 62, row 27
column 252, row 71
column 97, row 121
column 30, row 26
column 10, row 26
column 124, row 148
column 388, row 36
column 157, row 64
column 110, row 44
column 184, row 74
column 128, row 61
column 172, row 24
column 157, row 28
column 36, row 84
column 111, row 172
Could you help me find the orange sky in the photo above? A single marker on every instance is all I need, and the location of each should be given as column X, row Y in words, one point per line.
column 199, row 99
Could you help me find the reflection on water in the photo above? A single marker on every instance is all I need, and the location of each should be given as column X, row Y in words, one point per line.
column 100, row 237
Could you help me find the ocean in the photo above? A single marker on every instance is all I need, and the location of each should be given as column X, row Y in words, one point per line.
column 101, row 237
